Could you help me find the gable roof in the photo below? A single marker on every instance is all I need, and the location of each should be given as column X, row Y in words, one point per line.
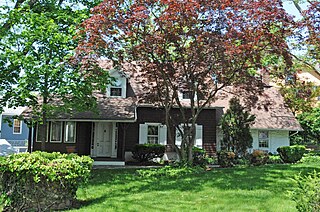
column 269, row 108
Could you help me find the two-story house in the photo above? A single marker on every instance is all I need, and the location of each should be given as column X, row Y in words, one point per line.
column 122, row 121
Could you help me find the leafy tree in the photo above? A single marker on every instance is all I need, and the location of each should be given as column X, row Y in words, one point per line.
column 307, row 33
column 310, row 122
column 35, row 44
column 235, row 125
column 191, row 47
column 300, row 96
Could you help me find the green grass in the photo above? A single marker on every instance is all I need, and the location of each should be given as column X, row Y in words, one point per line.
column 262, row 188
column 234, row 189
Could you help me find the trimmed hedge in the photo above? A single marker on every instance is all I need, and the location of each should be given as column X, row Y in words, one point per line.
column 42, row 181
column 291, row 154
column 146, row 152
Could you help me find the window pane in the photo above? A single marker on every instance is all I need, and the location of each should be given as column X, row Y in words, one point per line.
column 263, row 139
column 16, row 126
column 153, row 134
column 56, row 131
column 186, row 94
column 115, row 92
column 153, row 130
column 263, row 135
column 70, row 132
column 41, row 133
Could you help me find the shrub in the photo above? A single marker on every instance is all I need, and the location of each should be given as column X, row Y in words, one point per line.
column 200, row 158
column 42, row 181
column 146, row 152
column 274, row 159
column 258, row 157
column 291, row 154
column 310, row 159
column 226, row 158
column 307, row 192
column 169, row 171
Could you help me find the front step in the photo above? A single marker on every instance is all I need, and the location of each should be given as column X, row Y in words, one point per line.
column 108, row 163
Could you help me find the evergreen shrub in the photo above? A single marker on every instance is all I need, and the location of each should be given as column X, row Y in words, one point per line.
column 146, row 152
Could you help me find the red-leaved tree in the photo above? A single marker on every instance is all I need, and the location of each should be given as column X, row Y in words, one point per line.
column 190, row 47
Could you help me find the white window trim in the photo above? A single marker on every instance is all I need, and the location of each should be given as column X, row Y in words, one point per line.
column 65, row 133
column 123, row 87
column 197, row 135
column 268, row 139
column 143, row 133
column 61, row 129
column 20, row 131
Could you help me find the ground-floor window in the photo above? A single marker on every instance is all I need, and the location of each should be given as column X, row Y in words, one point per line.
column 198, row 136
column 263, row 137
column 153, row 133
column 70, row 132
column 56, row 132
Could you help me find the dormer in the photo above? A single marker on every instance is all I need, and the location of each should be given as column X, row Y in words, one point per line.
column 186, row 95
column 118, row 87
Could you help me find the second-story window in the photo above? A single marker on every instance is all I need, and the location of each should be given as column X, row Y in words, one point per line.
column 17, row 126
column 186, row 94
column 115, row 91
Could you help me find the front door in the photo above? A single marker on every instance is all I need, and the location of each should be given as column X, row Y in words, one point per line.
column 103, row 138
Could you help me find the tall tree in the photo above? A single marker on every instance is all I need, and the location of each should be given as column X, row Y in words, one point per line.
column 36, row 42
column 192, row 47
column 235, row 125
column 307, row 32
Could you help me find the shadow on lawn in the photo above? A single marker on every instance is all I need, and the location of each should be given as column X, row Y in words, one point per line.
column 274, row 178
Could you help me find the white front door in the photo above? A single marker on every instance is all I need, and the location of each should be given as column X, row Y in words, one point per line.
column 103, row 139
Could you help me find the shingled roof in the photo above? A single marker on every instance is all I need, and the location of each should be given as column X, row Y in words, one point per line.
column 111, row 109
column 269, row 109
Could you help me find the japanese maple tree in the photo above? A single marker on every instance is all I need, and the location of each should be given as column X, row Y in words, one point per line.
column 192, row 46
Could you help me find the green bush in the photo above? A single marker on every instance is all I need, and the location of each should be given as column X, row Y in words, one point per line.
column 42, row 181
column 146, row 152
column 169, row 171
column 306, row 194
column 291, row 154
column 310, row 159
column 200, row 158
column 226, row 158
column 258, row 157
column 274, row 159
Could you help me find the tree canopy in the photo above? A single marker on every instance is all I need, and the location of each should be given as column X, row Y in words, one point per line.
column 35, row 46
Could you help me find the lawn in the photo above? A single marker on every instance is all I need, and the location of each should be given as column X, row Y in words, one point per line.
column 262, row 188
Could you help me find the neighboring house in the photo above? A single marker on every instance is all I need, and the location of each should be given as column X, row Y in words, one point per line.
column 310, row 76
column 13, row 130
column 122, row 122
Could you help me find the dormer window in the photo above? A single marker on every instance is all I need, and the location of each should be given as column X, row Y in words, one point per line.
column 118, row 87
column 115, row 91
column 186, row 94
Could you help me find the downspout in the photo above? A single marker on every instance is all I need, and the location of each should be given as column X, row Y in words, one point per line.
column 294, row 133
column 0, row 125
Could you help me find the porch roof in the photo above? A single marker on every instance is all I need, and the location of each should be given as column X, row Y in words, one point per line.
column 116, row 109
